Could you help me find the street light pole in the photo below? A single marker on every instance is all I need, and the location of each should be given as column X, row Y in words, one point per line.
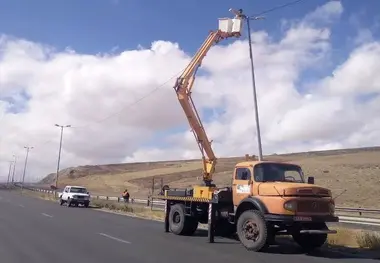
column 59, row 151
column 254, row 91
column 28, row 148
column 9, row 172
column 240, row 14
column 14, row 168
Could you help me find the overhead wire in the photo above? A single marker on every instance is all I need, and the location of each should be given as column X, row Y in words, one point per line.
column 277, row 7
column 124, row 108
column 131, row 104
column 162, row 85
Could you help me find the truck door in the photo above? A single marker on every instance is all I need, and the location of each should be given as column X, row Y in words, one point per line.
column 65, row 193
column 241, row 184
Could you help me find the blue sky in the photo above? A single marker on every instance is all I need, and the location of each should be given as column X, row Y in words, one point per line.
column 99, row 25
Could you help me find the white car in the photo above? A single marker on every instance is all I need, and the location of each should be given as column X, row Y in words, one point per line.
column 74, row 195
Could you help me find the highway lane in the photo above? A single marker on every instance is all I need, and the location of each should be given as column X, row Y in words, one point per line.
column 359, row 224
column 35, row 230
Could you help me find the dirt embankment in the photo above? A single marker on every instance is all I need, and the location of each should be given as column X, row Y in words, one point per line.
column 355, row 171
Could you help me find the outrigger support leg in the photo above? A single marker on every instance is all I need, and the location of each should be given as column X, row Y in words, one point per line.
column 211, row 222
column 167, row 212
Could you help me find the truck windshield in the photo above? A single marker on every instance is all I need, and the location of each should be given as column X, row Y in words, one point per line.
column 278, row 172
column 78, row 190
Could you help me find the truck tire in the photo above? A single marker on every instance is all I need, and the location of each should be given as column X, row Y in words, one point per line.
column 179, row 223
column 310, row 242
column 252, row 230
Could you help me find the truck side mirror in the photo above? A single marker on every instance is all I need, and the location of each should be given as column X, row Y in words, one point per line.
column 310, row 180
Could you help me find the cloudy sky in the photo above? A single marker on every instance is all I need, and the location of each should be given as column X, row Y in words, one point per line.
column 108, row 68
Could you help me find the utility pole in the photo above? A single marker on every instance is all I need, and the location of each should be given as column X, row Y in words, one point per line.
column 240, row 14
column 14, row 168
column 28, row 148
column 9, row 172
column 59, row 151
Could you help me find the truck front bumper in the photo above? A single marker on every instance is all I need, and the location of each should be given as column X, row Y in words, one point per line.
column 80, row 201
column 300, row 219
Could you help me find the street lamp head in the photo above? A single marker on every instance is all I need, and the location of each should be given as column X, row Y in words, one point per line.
column 28, row 147
column 257, row 17
column 62, row 126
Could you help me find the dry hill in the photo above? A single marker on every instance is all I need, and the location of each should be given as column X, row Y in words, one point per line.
column 354, row 170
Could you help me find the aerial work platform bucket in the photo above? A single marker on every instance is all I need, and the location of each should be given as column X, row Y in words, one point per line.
column 230, row 25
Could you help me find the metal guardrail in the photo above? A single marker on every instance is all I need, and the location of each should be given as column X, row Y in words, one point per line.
column 360, row 220
column 358, row 210
column 146, row 202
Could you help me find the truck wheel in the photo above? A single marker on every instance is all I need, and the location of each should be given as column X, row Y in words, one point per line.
column 311, row 241
column 61, row 202
column 252, row 230
column 179, row 223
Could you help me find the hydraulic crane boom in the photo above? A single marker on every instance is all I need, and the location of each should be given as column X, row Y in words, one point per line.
column 183, row 88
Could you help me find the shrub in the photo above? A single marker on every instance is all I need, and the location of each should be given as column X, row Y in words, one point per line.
column 368, row 240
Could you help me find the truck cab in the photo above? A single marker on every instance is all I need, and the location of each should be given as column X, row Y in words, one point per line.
column 279, row 193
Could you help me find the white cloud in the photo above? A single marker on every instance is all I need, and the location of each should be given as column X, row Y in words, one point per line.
column 362, row 65
column 326, row 13
column 79, row 89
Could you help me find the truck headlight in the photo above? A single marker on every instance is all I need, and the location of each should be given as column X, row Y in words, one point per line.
column 75, row 196
column 290, row 206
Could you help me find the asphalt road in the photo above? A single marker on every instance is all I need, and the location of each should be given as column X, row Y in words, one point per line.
column 38, row 231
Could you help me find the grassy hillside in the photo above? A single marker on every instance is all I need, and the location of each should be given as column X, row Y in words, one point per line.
column 355, row 170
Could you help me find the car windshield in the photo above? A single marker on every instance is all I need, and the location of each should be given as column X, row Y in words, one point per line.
column 278, row 172
column 80, row 190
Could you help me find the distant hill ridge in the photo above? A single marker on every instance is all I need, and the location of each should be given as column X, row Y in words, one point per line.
column 112, row 169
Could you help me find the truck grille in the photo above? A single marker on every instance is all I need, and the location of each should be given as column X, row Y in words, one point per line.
column 313, row 207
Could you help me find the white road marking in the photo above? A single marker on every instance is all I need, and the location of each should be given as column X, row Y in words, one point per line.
column 21, row 205
column 115, row 238
column 46, row 215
